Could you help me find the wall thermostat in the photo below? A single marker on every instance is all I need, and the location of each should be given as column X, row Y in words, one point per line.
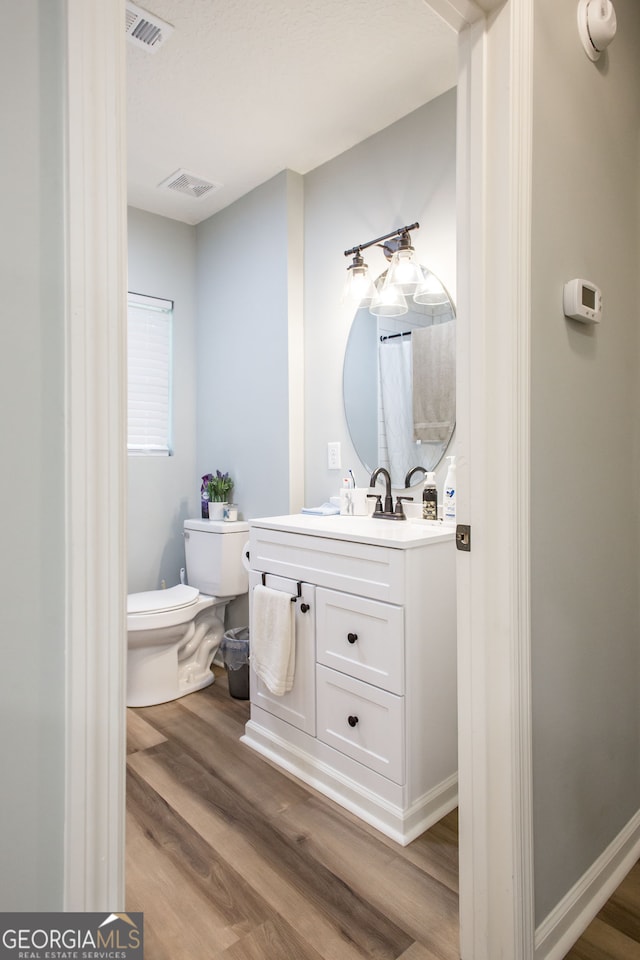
column 582, row 301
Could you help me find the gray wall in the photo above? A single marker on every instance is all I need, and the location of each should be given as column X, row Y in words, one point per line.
column 585, row 481
column 164, row 491
column 32, row 744
column 243, row 291
column 240, row 351
column 584, row 428
column 402, row 174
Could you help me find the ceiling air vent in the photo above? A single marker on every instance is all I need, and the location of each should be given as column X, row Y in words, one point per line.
column 187, row 183
column 144, row 29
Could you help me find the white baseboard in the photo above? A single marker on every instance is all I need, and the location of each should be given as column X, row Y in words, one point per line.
column 569, row 919
column 397, row 822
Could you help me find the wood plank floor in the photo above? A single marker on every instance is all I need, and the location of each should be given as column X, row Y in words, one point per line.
column 615, row 932
column 231, row 859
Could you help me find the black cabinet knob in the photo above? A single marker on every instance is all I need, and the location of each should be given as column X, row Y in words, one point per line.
column 352, row 721
column 352, row 637
column 304, row 607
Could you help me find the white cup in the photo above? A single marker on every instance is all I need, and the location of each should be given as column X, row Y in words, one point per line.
column 353, row 502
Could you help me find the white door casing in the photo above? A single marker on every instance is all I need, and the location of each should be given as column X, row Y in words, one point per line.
column 494, row 684
column 95, row 486
column 494, row 122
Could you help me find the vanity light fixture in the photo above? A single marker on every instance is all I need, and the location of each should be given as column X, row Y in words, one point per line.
column 389, row 301
column 430, row 291
column 403, row 276
column 404, row 273
column 359, row 286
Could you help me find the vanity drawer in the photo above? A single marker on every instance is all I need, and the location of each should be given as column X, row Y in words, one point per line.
column 363, row 569
column 361, row 721
column 362, row 638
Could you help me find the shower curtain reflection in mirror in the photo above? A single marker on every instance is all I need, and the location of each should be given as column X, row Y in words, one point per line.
column 395, row 435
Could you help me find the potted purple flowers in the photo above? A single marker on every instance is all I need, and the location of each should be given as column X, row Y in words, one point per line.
column 218, row 487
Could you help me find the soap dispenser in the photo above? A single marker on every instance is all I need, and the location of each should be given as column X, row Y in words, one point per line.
column 450, row 491
column 430, row 498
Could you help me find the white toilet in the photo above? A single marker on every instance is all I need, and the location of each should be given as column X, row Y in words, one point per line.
column 174, row 634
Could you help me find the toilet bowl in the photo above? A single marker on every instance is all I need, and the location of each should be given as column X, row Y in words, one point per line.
column 174, row 634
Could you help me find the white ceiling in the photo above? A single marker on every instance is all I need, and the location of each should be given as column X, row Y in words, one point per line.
column 243, row 89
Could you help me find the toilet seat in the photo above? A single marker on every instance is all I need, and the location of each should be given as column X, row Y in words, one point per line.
column 155, row 609
column 161, row 601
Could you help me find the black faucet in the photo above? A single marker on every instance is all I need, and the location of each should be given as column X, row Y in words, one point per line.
column 388, row 513
column 388, row 499
column 407, row 479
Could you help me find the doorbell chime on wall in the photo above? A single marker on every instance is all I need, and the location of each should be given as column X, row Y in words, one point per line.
column 596, row 26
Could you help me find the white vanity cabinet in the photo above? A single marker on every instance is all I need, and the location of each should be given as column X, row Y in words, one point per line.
column 298, row 707
column 371, row 718
column 356, row 635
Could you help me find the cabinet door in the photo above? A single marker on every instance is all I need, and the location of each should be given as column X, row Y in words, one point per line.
column 298, row 706
column 362, row 638
column 362, row 721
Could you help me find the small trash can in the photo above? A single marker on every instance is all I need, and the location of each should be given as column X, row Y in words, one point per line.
column 235, row 656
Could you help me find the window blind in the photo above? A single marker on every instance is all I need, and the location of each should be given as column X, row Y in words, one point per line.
column 149, row 375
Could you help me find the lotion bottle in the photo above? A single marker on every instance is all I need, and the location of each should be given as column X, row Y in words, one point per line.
column 430, row 498
column 450, row 491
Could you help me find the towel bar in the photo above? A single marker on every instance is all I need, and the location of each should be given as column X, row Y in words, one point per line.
column 303, row 606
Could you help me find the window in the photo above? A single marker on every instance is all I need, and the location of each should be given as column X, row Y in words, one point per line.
column 149, row 375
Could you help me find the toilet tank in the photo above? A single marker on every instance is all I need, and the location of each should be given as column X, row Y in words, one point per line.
column 213, row 550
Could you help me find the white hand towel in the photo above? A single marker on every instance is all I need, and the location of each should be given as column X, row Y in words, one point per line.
column 273, row 642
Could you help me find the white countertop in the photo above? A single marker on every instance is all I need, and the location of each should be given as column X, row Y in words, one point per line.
column 401, row 534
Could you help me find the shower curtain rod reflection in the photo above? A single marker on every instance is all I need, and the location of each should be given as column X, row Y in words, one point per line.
column 392, row 336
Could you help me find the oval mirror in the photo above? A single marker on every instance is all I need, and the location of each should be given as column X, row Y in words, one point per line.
column 399, row 384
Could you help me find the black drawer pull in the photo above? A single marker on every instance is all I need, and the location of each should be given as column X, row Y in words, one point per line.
column 352, row 721
column 304, row 607
column 352, row 637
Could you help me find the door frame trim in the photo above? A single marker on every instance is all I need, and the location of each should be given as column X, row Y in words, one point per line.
column 494, row 121
column 95, row 456
column 495, row 94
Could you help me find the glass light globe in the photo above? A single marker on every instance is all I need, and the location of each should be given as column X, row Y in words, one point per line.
column 358, row 285
column 430, row 291
column 389, row 301
column 403, row 271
